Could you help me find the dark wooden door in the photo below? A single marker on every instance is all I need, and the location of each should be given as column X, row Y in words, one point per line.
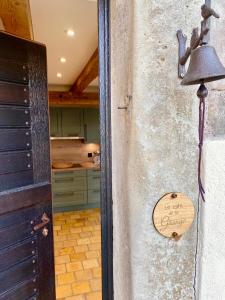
column 26, row 238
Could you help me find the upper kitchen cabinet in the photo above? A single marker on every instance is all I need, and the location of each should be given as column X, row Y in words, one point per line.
column 91, row 121
column 72, row 122
column 66, row 122
column 55, row 122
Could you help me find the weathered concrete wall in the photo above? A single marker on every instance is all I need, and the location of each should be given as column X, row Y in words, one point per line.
column 212, row 250
column 154, row 147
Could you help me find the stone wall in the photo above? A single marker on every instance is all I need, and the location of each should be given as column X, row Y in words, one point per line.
column 154, row 145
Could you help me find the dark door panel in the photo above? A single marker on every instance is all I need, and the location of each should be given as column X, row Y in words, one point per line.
column 14, row 117
column 15, row 234
column 22, row 291
column 19, row 273
column 13, row 71
column 12, row 162
column 15, row 139
column 14, row 94
column 16, row 200
column 16, row 180
column 26, row 236
column 17, row 253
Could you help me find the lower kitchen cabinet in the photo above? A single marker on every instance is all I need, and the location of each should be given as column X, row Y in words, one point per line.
column 94, row 196
column 68, row 199
column 93, row 184
column 76, row 190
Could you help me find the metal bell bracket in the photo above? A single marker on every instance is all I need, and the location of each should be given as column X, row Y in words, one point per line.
column 196, row 38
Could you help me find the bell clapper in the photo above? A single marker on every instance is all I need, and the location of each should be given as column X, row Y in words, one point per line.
column 202, row 93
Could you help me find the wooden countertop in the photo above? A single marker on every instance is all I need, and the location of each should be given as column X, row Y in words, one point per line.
column 84, row 166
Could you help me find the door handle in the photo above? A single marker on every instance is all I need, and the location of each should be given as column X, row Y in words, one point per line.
column 45, row 220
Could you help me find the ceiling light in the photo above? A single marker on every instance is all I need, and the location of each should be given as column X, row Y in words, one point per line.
column 59, row 75
column 62, row 59
column 70, row 32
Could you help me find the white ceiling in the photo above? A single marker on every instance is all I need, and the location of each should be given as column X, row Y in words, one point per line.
column 50, row 20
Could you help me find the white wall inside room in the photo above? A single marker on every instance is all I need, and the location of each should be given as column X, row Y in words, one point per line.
column 50, row 20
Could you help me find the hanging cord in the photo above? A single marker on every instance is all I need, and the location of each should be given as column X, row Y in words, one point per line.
column 202, row 94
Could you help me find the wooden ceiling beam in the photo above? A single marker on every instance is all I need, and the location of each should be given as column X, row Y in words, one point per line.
column 16, row 17
column 69, row 99
column 87, row 75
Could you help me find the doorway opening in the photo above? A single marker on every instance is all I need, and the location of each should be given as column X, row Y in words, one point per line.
column 79, row 124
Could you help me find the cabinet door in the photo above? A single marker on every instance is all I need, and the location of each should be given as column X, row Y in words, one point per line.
column 92, row 123
column 65, row 199
column 55, row 121
column 72, row 122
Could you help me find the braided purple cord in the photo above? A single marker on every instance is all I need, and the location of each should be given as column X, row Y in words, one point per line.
column 201, row 140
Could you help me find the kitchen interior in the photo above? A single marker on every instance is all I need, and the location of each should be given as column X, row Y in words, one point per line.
column 70, row 32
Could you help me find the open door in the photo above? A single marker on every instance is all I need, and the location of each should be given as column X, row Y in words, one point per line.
column 26, row 245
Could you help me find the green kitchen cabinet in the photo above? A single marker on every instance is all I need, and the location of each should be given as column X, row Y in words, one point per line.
column 69, row 199
column 55, row 121
column 69, row 190
column 92, row 125
column 72, row 122
column 93, row 185
column 66, row 122
column 76, row 189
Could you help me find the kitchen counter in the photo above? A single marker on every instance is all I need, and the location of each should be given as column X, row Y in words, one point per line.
column 84, row 166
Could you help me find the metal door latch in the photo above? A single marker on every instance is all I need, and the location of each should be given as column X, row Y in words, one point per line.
column 45, row 220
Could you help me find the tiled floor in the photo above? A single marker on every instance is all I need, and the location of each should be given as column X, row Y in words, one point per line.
column 77, row 255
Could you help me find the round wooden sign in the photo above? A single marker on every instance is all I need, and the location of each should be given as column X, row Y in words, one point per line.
column 173, row 215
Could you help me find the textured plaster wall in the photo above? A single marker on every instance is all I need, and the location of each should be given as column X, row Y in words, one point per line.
column 212, row 250
column 154, row 145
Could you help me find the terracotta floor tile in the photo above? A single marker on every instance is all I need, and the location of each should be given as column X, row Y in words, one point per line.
column 71, row 243
column 97, row 272
column 84, row 241
column 74, row 266
column 78, row 256
column 75, row 229
column 92, row 254
column 65, row 278
column 67, row 250
column 60, row 269
column 83, row 275
column 96, row 285
column 85, row 234
column 82, row 287
column 94, row 246
column 77, row 242
column 90, row 263
column 63, row 291
column 81, row 248
column 62, row 259
column 94, row 296
column 79, row 297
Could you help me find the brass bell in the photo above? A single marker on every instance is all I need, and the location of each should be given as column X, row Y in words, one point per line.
column 204, row 66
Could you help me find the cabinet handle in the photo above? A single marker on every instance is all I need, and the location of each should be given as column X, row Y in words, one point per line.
column 69, row 179
column 85, row 131
column 64, row 194
column 96, row 191
column 60, row 173
column 96, row 177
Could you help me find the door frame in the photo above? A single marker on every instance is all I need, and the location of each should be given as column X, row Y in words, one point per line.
column 106, row 153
